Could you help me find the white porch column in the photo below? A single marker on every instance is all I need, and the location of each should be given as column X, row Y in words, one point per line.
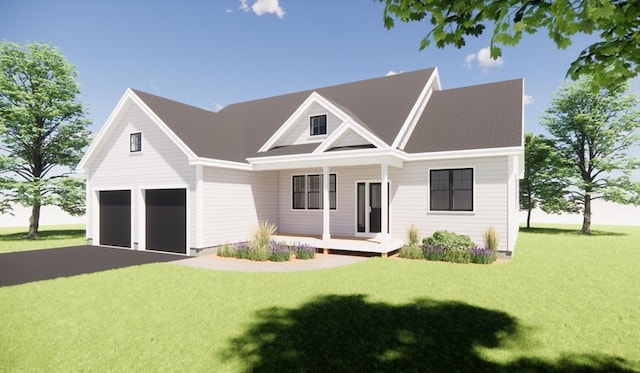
column 384, row 178
column 326, row 222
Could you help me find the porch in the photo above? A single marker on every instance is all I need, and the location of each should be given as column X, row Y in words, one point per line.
column 342, row 243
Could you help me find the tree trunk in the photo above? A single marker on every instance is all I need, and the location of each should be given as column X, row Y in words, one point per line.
column 34, row 221
column 586, row 217
column 528, row 218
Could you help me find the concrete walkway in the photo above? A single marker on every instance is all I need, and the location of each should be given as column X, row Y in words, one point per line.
column 321, row 261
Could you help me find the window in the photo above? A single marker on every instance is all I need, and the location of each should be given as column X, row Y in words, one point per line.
column 318, row 125
column 451, row 190
column 308, row 188
column 135, row 142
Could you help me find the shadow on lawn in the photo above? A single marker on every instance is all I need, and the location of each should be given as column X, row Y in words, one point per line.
column 346, row 334
column 568, row 231
column 55, row 234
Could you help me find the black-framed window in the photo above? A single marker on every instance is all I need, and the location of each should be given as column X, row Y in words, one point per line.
column 299, row 192
column 135, row 142
column 318, row 125
column 451, row 190
column 310, row 186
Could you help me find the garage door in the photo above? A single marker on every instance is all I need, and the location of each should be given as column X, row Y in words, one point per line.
column 115, row 218
column 166, row 220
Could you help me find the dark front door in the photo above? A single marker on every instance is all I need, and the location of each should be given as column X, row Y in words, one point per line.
column 375, row 212
column 166, row 220
column 115, row 218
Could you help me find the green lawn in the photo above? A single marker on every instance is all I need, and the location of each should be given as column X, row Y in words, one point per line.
column 566, row 303
column 13, row 238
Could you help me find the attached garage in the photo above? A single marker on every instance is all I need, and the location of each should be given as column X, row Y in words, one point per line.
column 115, row 218
column 166, row 220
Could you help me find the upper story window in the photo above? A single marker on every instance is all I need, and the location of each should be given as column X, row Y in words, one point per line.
column 451, row 190
column 135, row 142
column 318, row 125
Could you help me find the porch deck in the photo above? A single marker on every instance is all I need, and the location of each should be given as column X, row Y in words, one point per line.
column 341, row 243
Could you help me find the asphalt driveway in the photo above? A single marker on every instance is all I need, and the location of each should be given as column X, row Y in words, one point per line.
column 27, row 266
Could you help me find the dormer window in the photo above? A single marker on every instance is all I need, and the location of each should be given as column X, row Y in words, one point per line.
column 318, row 125
column 135, row 142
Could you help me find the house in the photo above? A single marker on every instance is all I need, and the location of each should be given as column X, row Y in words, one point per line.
column 346, row 167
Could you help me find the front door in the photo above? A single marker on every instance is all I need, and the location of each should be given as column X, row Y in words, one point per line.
column 369, row 207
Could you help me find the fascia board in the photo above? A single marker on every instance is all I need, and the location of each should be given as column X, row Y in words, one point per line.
column 416, row 111
column 344, row 127
column 209, row 162
column 470, row 153
column 354, row 158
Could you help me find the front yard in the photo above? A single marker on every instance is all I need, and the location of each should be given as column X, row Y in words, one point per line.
column 565, row 303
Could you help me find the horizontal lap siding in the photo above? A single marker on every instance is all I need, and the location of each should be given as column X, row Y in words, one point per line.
column 234, row 202
column 410, row 194
column 161, row 162
column 299, row 132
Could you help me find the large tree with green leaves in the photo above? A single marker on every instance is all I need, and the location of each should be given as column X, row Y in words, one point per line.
column 612, row 60
column 43, row 130
column 543, row 184
column 593, row 131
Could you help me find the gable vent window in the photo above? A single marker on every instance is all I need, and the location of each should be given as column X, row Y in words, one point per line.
column 135, row 142
column 318, row 125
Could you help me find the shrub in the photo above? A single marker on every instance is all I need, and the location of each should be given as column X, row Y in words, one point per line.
column 482, row 255
column 305, row 251
column 449, row 240
column 433, row 252
column 491, row 239
column 279, row 252
column 411, row 252
column 227, row 251
column 262, row 235
column 242, row 250
column 259, row 252
column 414, row 235
column 457, row 255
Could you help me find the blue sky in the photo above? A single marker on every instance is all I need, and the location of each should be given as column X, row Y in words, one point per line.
column 217, row 52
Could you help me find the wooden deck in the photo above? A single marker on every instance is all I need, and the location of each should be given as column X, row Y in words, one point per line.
column 341, row 243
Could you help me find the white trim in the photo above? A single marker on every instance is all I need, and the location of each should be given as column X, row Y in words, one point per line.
column 416, row 112
column 342, row 129
column 451, row 212
column 210, row 162
column 333, row 159
column 367, row 202
column 314, row 98
column 469, row 153
column 199, row 206
column 326, row 204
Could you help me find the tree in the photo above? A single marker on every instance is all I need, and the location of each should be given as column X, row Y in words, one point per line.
column 593, row 131
column 611, row 61
column 43, row 130
column 543, row 185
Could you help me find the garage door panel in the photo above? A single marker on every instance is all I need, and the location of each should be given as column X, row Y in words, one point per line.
column 166, row 220
column 115, row 218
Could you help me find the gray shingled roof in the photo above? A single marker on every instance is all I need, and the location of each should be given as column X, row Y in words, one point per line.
column 239, row 130
column 485, row 116
column 476, row 117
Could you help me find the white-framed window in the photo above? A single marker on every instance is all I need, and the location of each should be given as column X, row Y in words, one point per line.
column 451, row 189
column 318, row 125
column 307, row 192
column 135, row 142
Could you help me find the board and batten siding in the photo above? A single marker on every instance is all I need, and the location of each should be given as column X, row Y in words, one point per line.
column 234, row 202
column 410, row 199
column 160, row 164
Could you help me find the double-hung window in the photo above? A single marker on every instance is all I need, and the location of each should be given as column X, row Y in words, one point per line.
column 451, row 190
column 318, row 125
column 307, row 192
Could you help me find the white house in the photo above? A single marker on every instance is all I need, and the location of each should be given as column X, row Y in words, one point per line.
column 346, row 167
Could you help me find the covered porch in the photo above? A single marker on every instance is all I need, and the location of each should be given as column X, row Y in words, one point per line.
column 341, row 243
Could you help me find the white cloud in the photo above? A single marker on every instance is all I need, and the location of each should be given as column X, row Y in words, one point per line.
column 153, row 85
column 527, row 99
column 485, row 62
column 470, row 58
column 261, row 7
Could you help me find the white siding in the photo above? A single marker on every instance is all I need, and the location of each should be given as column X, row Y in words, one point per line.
column 350, row 138
column 234, row 202
column 161, row 164
column 410, row 196
column 298, row 133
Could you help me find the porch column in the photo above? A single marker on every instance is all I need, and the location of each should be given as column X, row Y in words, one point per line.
column 384, row 178
column 326, row 222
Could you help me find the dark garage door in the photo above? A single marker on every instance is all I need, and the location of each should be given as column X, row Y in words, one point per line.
column 166, row 220
column 115, row 218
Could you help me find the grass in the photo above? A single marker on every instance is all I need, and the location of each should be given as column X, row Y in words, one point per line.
column 565, row 303
column 13, row 239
